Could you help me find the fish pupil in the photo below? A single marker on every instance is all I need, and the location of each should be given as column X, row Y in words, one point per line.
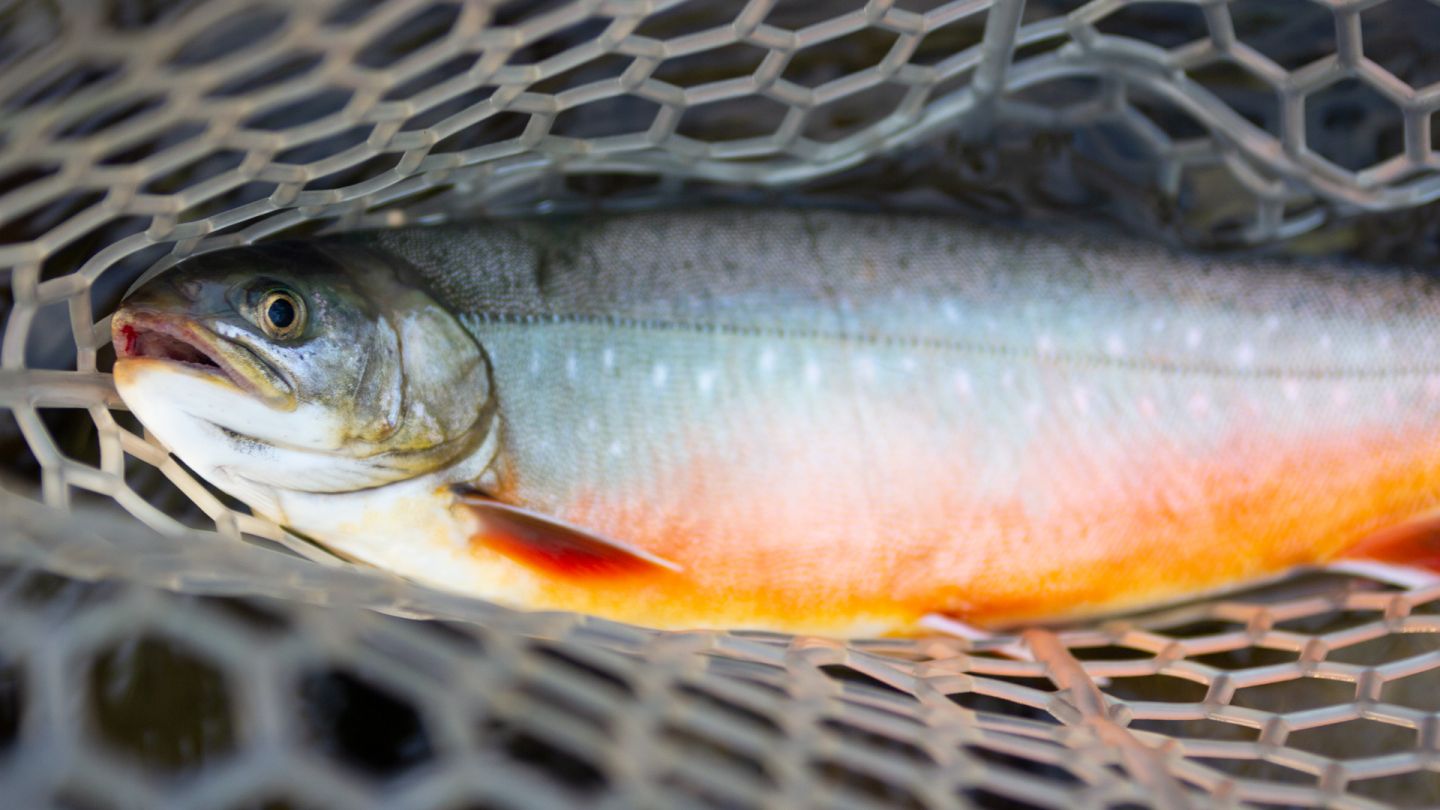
column 281, row 313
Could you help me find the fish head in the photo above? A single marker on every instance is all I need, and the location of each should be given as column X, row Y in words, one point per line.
column 300, row 367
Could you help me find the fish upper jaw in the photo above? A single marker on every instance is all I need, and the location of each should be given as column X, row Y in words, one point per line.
column 188, row 347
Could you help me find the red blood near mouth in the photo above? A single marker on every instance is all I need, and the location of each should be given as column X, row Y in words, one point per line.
column 142, row 342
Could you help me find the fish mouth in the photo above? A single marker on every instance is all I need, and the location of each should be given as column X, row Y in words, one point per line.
column 190, row 347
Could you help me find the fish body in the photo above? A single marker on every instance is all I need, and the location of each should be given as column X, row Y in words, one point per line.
column 821, row 421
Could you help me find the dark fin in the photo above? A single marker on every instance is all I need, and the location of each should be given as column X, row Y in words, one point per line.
column 1416, row 543
column 553, row 546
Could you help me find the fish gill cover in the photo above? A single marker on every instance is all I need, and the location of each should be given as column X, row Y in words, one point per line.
column 159, row 648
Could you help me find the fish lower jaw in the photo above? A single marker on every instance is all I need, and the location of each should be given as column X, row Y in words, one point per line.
column 128, row 369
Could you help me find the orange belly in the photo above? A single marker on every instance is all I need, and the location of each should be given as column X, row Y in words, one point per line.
column 799, row 546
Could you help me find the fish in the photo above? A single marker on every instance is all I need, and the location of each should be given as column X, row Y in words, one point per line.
column 801, row 420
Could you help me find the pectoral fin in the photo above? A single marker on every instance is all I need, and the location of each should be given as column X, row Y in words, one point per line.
column 550, row 545
column 1414, row 543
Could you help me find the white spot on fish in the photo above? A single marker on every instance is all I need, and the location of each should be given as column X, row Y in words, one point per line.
column 1045, row 344
column 1291, row 389
column 767, row 360
column 1384, row 340
column 1272, row 323
column 1199, row 405
column 1157, row 326
column 592, row 424
column 1081, row 398
column 1325, row 342
column 1008, row 378
column 812, row 373
column 659, row 374
column 1192, row 337
column 1115, row 346
column 1147, row 408
column 1432, row 386
column 1245, row 355
column 865, row 366
column 705, row 380
column 908, row 364
column 963, row 386
column 572, row 367
column 534, row 362
column 607, row 358
column 615, row 450
column 1341, row 396
column 1033, row 409
column 950, row 312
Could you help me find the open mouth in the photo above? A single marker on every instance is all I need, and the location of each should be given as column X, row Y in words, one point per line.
column 143, row 334
column 135, row 341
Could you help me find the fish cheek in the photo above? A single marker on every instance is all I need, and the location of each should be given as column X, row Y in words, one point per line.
column 378, row 387
column 446, row 376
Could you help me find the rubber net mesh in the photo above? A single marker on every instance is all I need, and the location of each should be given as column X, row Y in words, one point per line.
column 159, row 648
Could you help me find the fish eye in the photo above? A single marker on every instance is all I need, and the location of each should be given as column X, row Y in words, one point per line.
column 282, row 314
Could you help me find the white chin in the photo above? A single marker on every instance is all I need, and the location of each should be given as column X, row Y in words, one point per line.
column 174, row 404
column 226, row 436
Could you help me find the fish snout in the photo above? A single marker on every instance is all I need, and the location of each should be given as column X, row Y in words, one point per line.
column 156, row 325
column 163, row 294
column 168, row 310
column 157, row 307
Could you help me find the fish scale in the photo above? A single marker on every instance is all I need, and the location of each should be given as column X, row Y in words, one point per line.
column 841, row 422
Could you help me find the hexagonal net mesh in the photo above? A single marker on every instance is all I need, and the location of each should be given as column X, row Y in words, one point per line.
column 159, row 648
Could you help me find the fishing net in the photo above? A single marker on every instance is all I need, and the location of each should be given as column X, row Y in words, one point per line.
column 159, row 647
